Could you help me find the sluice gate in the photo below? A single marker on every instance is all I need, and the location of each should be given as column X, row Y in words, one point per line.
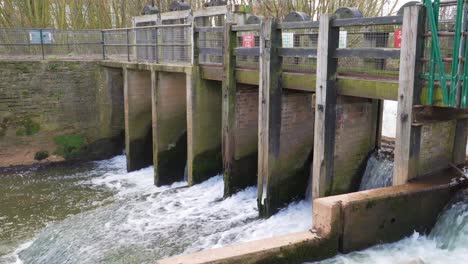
column 275, row 103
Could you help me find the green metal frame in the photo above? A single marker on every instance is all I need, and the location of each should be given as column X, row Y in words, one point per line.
column 449, row 95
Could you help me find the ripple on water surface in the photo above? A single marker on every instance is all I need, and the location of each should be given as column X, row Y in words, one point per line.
column 145, row 223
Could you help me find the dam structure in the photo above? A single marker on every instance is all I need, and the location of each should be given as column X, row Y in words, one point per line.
column 284, row 104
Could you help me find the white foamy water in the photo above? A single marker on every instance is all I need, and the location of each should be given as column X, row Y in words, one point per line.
column 146, row 223
column 378, row 173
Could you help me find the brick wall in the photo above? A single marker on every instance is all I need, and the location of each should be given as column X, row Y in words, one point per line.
column 67, row 108
column 355, row 139
column 246, row 112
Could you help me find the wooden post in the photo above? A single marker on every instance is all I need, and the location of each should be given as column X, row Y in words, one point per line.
column 325, row 103
column 228, row 106
column 407, row 135
column 269, row 116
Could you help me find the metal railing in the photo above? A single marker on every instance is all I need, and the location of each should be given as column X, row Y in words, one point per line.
column 156, row 44
column 50, row 44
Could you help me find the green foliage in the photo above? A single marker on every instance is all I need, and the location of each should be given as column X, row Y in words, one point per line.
column 41, row 155
column 28, row 127
column 69, row 146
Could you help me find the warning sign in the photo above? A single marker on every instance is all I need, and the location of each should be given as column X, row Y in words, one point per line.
column 397, row 38
column 248, row 41
column 343, row 39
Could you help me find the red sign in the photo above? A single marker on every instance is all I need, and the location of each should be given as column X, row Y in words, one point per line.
column 397, row 38
column 248, row 41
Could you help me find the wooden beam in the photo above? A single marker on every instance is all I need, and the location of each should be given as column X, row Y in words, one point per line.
column 424, row 114
column 325, row 104
column 368, row 21
column 407, row 135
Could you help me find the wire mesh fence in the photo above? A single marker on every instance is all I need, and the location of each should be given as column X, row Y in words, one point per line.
column 300, row 39
column 248, row 40
column 156, row 44
column 210, row 37
column 50, row 44
column 369, row 37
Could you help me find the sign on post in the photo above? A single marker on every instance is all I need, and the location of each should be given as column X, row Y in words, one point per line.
column 248, row 41
column 397, row 38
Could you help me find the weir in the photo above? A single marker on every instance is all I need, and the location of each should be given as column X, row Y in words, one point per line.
column 269, row 103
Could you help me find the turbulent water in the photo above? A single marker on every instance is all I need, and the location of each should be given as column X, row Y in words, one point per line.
column 140, row 223
column 378, row 173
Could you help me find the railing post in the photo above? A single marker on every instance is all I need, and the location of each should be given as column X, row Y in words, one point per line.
column 42, row 44
column 128, row 45
column 155, row 47
column 325, row 107
column 103, row 43
column 407, row 135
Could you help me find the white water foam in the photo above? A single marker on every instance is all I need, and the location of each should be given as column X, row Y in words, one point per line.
column 146, row 223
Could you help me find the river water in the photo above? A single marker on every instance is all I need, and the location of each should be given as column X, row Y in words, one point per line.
column 99, row 213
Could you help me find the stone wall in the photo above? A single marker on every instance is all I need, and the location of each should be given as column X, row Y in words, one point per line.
column 55, row 110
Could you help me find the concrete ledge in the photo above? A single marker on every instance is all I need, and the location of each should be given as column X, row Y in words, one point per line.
column 182, row 68
column 367, row 218
column 293, row 248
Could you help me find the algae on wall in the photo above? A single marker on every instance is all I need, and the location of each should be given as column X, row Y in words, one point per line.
column 65, row 109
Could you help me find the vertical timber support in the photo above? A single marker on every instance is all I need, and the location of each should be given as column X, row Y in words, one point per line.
column 407, row 142
column 285, row 130
column 239, row 124
column 325, row 107
column 461, row 137
column 137, row 104
column 228, row 108
column 269, row 117
column 203, row 127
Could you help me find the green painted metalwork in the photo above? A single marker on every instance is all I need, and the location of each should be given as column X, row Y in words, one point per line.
column 449, row 95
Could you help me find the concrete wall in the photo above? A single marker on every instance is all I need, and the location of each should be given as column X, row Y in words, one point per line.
column 138, row 139
column 367, row 218
column 436, row 146
column 289, row 170
column 59, row 109
column 204, row 128
column 169, row 126
column 242, row 170
column 355, row 139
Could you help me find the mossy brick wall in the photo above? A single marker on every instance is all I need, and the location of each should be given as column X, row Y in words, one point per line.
column 356, row 131
column 66, row 109
column 289, row 173
column 246, row 112
column 436, row 147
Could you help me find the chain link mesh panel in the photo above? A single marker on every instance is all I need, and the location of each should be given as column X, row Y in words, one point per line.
column 300, row 38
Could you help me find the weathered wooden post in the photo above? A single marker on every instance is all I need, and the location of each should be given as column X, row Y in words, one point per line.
column 325, row 104
column 228, row 107
column 269, row 125
column 408, row 135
